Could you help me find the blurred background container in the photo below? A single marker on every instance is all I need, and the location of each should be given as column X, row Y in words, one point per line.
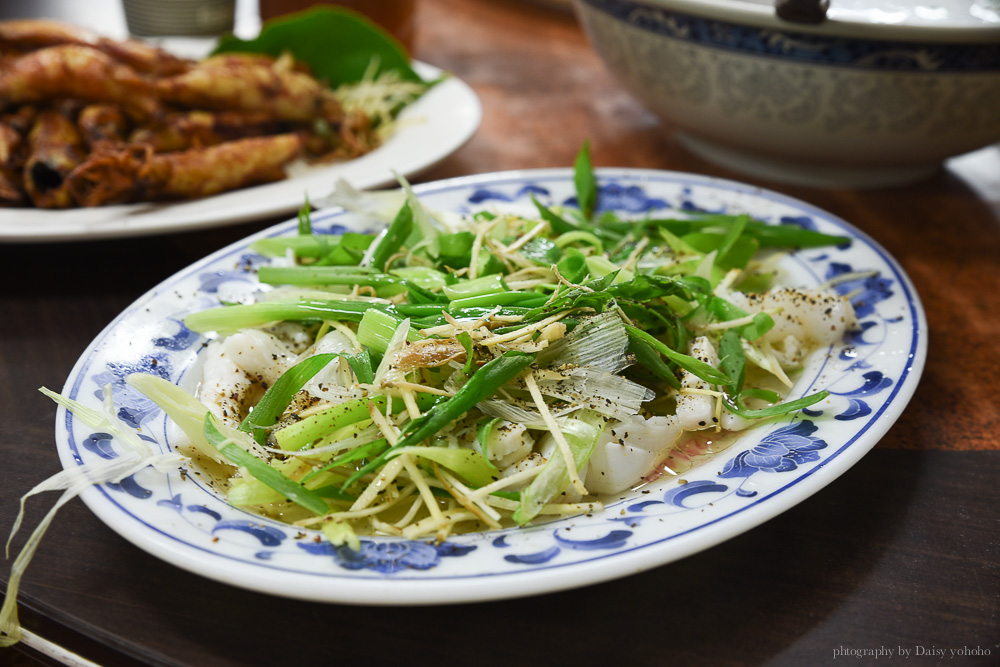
column 151, row 18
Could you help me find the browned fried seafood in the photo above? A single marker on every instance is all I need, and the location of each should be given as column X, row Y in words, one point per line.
column 22, row 118
column 250, row 82
column 88, row 121
column 55, row 149
column 11, row 146
column 194, row 129
column 30, row 34
column 144, row 58
column 137, row 173
column 27, row 34
column 11, row 191
column 77, row 72
column 102, row 126
column 13, row 149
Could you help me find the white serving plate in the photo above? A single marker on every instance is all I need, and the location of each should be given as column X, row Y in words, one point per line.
column 431, row 129
column 871, row 377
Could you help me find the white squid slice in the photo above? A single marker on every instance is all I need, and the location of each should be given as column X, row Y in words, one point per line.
column 812, row 317
column 627, row 451
column 696, row 410
column 238, row 370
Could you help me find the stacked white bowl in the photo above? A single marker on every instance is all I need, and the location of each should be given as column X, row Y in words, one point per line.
column 866, row 93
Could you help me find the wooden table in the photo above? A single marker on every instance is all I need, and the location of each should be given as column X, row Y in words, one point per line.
column 902, row 551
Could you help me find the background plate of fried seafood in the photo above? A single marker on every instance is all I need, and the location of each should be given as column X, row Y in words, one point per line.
column 105, row 138
column 721, row 491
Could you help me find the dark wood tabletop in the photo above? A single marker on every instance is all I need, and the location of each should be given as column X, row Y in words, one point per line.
column 902, row 551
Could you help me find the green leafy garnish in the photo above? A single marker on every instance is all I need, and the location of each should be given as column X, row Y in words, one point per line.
column 268, row 475
column 280, row 394
column 338, row 45
column 585, row 182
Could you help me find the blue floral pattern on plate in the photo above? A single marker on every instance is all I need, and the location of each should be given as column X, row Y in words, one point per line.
column 179, row 517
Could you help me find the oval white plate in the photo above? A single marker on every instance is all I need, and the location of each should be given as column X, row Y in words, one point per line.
column 431, row 129
column 871, row 377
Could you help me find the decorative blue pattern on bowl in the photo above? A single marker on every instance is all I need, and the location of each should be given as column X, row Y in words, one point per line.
column 179, row 517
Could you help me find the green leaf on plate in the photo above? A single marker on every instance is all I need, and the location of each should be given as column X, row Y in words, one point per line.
column 337, row 44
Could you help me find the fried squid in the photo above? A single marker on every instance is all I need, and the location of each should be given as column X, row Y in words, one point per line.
column 55, row 149
column 77, row 72
column 31, row 34
column 89, row 121
column 137, row 173
column 249, row 82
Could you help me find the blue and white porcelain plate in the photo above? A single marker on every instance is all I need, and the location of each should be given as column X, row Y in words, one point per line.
column 177, row 517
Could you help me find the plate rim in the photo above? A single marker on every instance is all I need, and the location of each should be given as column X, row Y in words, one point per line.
column 449, row 589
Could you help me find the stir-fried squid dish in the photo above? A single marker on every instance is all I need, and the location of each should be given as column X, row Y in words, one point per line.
column 461, row 373
column 89, row 121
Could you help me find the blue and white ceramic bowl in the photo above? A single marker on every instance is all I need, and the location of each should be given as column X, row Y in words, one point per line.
column 878, row 93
